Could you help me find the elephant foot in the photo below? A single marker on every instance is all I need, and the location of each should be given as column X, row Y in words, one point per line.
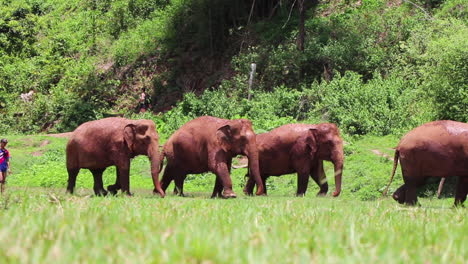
column 323, row 189
column 412, row 203
column 248, row 193
column 100, row 192
column 321, row 194
column 113, row 189
column 229, row 194
column 248, row 190
column 161, row 193
column 400, row 194
column 218, row 195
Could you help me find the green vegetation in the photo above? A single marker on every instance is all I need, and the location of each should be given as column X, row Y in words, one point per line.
column 44, row 225
column 373, row 67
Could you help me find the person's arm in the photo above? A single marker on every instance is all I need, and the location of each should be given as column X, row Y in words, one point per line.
column 8, row 162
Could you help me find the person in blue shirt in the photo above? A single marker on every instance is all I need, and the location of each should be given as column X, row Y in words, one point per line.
column 4, row 163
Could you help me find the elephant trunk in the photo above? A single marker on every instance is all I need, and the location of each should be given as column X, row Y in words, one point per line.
column 254, row 169
column 338, row 164
column 338, row 175
column 155, row 167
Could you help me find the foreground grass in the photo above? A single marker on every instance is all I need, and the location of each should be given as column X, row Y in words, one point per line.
column 43, row 225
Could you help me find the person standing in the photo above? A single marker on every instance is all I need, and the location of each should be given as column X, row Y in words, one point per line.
column 144, row 102
column 4, row 163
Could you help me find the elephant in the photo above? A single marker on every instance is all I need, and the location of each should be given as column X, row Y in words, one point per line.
column 98, row 144
column 434, row 149
column 208, row 144
column 301, row 148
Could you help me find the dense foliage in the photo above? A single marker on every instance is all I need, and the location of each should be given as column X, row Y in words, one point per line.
column 374, row 66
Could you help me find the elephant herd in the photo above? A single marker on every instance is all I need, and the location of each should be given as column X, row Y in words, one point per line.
column 208, row 144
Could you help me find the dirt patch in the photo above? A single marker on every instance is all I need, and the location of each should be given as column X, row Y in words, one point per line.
column 61, row 135
column 44, row 143
column 240, row 162
column 37, row 153
column 381, row 154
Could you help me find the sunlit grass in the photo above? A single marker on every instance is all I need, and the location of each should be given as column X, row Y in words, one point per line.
column 45, row 225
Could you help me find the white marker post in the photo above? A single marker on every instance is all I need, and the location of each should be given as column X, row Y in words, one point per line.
column 253, row 66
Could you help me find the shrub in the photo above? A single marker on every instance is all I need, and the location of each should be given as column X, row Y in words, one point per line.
column 380, row 106
column 437, row 55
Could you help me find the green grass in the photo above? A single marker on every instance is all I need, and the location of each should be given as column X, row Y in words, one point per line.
column 43, row 225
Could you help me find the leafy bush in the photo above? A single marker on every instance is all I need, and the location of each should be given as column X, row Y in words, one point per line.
column 438, row 56
column 380, row 106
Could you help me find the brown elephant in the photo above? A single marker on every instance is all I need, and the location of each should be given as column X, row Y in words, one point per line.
column 434, row 149
column 98, row 144
column 301, row 148
column 209, row 144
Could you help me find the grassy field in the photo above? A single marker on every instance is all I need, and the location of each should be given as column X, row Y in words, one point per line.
column 41, row 224
column 46, row 226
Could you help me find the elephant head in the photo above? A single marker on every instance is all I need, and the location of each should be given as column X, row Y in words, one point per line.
column 142, row 138
column 238, row 138
column 330, row 147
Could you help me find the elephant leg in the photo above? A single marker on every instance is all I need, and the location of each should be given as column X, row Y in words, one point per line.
column 72, row 173
column 412, row 185
column 179, row 184
column 218, row 189
column 400, row 194
column 302, row 182
column 319, row 177
column 462, row 191
column 98, row 184
column 222, row 172
column 264, row 179
column 113, row 189
column 167, row 177
column 124, row 179
column 249, row 186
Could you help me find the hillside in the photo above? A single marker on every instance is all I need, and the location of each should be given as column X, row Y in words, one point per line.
column 372, row 67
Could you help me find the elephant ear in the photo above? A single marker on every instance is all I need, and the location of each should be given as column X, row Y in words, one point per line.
column 312, row 141
column 130, row 135
column 224, row 135
column 141, row 128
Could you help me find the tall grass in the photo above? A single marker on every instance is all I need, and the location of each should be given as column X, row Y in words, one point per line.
column 45, row 225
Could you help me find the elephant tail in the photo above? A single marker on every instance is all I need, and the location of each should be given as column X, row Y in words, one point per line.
column 395, row 164
column 161, row 160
